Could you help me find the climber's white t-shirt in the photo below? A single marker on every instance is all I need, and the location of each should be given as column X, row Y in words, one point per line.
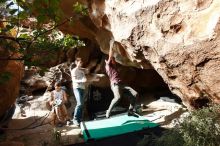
column 78, row 78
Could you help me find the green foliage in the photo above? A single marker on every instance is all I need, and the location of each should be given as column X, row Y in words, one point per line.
column 39, row 45
column 170, row 138
column 47, row 45
column 68, row 41
column 42, row 42
column 47, row 10
column 3, row 1
column 200, row 128
column 80, row 9
column 147, row 140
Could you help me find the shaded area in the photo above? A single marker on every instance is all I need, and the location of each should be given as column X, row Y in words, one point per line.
column 128, row 139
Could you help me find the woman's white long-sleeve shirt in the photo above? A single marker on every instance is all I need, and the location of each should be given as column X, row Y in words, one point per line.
column 78, row 78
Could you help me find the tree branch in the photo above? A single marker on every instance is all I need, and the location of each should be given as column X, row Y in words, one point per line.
column 17, row 40
column 1, row 21
column 8, row 58
column 9, row 38
column 18, row 23
column 67, row 20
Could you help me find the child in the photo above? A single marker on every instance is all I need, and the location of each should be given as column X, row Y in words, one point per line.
column 58, row 98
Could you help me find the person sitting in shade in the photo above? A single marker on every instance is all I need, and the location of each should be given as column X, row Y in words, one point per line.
column 57, row 101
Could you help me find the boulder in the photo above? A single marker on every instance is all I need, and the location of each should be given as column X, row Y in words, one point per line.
column 178, row 39
column 11, row 72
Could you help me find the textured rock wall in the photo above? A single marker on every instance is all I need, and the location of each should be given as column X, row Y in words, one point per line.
column 179, row 39
column 9, row 89
column 11, row 72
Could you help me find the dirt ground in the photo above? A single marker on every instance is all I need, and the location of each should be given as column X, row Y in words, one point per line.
column 31, row 125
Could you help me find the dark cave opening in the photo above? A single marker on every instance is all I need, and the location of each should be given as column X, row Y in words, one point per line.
column 148, row 83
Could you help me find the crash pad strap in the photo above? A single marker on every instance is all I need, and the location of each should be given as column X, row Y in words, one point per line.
column 86, row 130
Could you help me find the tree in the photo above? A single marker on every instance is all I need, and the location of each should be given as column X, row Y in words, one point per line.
column 30, row 29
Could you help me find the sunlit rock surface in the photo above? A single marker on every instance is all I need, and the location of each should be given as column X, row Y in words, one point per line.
column 179, row 39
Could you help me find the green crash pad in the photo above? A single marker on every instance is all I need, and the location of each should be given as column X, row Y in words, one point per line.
column 117, row 125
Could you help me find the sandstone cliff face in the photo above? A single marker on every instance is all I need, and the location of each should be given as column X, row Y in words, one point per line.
column 11, row 72
column 9, row 88
column 179, row 39
column 81, row 26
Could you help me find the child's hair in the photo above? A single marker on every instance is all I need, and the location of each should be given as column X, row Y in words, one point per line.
column 78, row 59
column 58, row 83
